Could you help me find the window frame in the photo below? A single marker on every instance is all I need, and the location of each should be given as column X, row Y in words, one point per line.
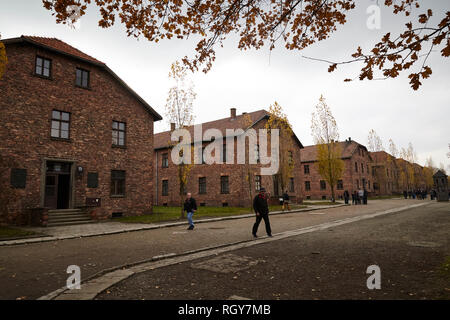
column 42, row 75
column 115, row 184
column 165, row 160
column 224, row 190
column 60, row 121
column 340, row 185
column 307, row 185
column 257, row 182
column 88, row 85
column 323, row 184
column 118, row 130
column 202, row 185
column 306, row 169
column 165, row 187
column 291, row 184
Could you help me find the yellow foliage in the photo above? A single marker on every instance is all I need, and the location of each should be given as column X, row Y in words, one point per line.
column 3, row 59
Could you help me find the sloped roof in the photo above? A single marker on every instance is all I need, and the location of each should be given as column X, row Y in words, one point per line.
column 63, row 48
column 58, row 45
column 162, row 139
column 309, row 153
column 380, row 156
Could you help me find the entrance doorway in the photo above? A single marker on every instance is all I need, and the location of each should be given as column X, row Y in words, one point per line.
column 57, row 185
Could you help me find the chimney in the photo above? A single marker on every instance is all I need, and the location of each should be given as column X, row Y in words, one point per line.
column 349, row 139
column 172, row 126
column 233, row 113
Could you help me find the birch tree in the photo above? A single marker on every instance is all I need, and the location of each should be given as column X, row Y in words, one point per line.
column 179, row 110
column 326, row 135
column 374, row 142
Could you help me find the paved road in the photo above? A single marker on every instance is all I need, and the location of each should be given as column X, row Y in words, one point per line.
column 410, row 248
column 33, row 270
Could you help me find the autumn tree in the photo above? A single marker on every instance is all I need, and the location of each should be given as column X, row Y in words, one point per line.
column 248, row 170
column 278, row 120
column 296, row 25
column 179, row 110
column 374, row 142
column 329, row 154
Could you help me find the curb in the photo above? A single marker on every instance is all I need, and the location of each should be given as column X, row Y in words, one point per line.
column 154, row 226
column 104, row 279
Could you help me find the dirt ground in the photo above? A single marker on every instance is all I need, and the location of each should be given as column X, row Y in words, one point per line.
column 410, row 248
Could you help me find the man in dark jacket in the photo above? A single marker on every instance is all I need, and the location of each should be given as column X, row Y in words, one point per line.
column 346, row 196
column 190, row 206
column 286, row 201
column 262, row 212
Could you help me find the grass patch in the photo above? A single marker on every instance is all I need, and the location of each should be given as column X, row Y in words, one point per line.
column 162, row 213
column 13, row 233
column 321, row 203
column 384, row 197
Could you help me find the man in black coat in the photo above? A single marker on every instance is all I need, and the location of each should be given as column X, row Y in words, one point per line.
column 262, row 212
column 190, row 206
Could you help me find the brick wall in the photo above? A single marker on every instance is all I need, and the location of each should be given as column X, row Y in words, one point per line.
column 25, row 112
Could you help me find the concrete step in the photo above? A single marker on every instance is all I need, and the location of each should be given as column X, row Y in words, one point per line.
column 71, row 218
column 63, row 210
column 69, row 214
column 57, row 224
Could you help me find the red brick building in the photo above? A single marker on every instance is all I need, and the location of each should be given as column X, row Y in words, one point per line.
column 356, row 175
column 222, row 184
column 72, row 134
column 385, row 174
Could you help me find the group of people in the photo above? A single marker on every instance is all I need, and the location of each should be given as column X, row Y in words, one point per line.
column 260, row 206
column 420, row 194
column 358, row 197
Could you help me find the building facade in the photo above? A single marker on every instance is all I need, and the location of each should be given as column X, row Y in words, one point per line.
column 72, row 134
column 385, row 174
column 356, row 175
column 223, row 184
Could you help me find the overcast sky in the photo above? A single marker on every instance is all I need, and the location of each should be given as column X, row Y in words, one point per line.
column 252, row 80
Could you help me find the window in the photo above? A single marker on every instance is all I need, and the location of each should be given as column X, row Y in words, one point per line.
column 165, row 160
column 165, row 187
column 291, row 158
column 43, row 67
column 82, row 78
column 118, row 133
column 224, row 153
column 376, row 186
column 60, row 124
column 362, row 168
column 224, row 187
column 307, row 185
column 257, row 183
column 257, row 159
column 356, row 166
column 368, row 184
column 357, row 184
column 306, row 169
column 117, row 182
column 367, row 168
column 323, row 185
column 202, row 185
column 291, row 185
column 340, row 185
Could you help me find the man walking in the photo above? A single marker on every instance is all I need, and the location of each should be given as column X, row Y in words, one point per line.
column 346, row 196
column 190, row 206
column 286, row 201
column 262, row 212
